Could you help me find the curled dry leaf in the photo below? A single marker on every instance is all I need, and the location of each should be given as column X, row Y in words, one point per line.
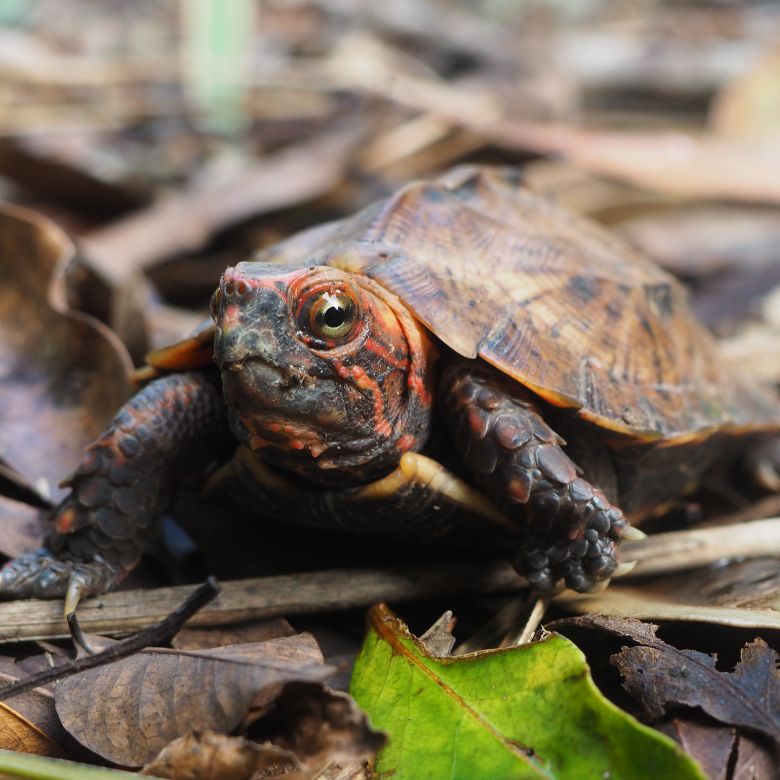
column 129, row 710
column 304, row 727
column 211, row 756
column 62, row 374
column 660, row 675
column 438, row 639
column 318, row 725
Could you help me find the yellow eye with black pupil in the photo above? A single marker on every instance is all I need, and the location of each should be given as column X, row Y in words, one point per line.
column 333, row 316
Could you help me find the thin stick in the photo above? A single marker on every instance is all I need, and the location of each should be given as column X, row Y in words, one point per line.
column 127, row 611
column 682, row 550
column 123, row 612
column 156, row 634
column 532, row 622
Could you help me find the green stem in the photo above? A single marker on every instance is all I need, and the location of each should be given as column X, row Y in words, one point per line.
column 42, row 768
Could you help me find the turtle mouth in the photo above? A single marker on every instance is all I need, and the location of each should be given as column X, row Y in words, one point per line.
column 264, row 374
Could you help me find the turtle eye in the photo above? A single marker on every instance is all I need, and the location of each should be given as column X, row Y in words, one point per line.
column 332, row 316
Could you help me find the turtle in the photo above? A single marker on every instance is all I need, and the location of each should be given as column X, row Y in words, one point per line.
column 463, row 361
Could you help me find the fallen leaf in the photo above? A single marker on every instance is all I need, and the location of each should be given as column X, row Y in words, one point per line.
column 318, row 725
column 29, row 724
column 220, row 197
column 672, row 162
column 438, row 639
column 24, row 527
column 202, row 638
column 749, row 107
column 659, row 675
column 66, row 168
column 754, row 761
column 127, row 711
column 528, row 711
column 211, row 756
column 62, row 374
column 709, row 743
column 742, row 594
column 21, row 735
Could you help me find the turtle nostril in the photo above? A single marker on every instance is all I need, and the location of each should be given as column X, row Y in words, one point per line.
column 237, row 288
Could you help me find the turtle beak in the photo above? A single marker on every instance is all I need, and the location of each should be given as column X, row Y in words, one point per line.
column 249, row 318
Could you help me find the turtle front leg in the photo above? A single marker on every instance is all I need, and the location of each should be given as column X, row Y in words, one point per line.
column 570, row 529
column 171, row 428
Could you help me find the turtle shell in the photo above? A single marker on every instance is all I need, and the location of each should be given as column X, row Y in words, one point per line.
column 550, row 299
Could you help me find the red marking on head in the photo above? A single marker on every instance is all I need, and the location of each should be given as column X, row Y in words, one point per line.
column 406, row 442
column 65, row 521
column 419, row 388
column 381, row 351
column 231, row 314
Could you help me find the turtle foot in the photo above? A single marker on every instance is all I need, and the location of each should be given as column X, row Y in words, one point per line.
column 42, row 575
column 578, row 548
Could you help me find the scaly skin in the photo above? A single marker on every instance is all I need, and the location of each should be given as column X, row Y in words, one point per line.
column 169, row 430
column 570, row 529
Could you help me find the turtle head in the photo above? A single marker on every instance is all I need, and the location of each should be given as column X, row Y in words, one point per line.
column 325, row 373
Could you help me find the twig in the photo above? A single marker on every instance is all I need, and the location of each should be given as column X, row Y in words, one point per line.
column 127, row 611
column 528, row 629
column 155, row 634
column 681, row 550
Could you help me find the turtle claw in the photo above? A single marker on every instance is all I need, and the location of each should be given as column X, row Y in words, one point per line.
column 632, row 534
column 624, row 568
column 599, row 587
column 42, row 575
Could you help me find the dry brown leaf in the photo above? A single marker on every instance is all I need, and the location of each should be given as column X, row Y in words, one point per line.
column 190, row 638
column 623, row 601
column 317, row 724
column 211, row 756
column 185, row 221
column 62, row 374
column 755, row 350
column 19, row 734
column 709, row 743
column 66, row 168
column 754, row 761
column 744, row 594
column 749, row 107
column 127, row 711
column 661, row 676
column 28, row 723
column 438, row 639
column 671, row 162
column 24, row 527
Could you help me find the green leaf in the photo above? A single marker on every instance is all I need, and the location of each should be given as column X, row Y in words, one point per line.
column 522, row 712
